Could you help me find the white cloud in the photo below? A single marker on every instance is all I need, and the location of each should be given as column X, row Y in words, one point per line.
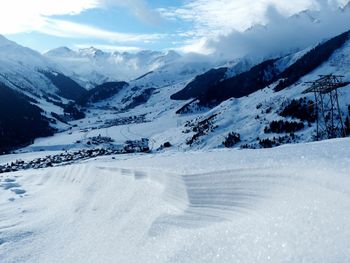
column 218, row 17
column 213, row 17
column 199, row 46
column 76, row 30
column 223, row 25
column 22, row 16
column 283, row 34
column 18, row 16
column 212, row 21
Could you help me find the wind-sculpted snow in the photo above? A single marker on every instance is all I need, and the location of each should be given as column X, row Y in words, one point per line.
column 293, row 206
column 215, row 197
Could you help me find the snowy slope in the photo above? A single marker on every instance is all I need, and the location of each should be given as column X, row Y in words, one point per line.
column 23, row 70
column 251, row 115
column 213, row 206
column 20, row 65
column 240, row 115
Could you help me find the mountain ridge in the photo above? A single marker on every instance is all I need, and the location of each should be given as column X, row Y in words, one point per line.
column 101, row 66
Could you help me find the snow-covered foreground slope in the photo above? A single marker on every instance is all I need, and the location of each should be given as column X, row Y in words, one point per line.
column 288, row 204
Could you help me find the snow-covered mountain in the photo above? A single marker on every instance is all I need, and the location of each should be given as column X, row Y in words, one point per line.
column 34, row 92
column 29, row 72
column 20, row 66
column 94, row 66
column 191, row 102
column 237, row 105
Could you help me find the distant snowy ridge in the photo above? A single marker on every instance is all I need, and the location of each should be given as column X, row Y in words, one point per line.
column 96, row 66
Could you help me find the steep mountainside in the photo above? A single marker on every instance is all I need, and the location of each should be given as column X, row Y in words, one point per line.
column 34, row 93
column 29, row 72
column 201, row 83
column 67, row 87
column 20, row 120
column 271, row 115
column 216, row 91
column 103, row 92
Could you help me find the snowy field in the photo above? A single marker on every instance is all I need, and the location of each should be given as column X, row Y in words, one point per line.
column 288, row 204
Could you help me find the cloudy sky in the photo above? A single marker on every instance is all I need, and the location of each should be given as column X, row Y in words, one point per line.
column 131, row 25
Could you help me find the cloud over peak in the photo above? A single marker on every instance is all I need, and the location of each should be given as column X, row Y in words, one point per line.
column 222, row 27
column 281, row 34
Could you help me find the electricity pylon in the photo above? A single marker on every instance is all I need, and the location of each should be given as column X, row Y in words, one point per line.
column 329, row 116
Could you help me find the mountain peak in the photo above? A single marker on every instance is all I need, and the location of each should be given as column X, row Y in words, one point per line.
column 65, row 49
column 91, row 52
column 172, row 54
column 60, row 51
column 5, row 42
column 346, row 7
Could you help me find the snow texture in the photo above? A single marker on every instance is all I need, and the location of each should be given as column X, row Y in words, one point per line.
column 214, row 206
